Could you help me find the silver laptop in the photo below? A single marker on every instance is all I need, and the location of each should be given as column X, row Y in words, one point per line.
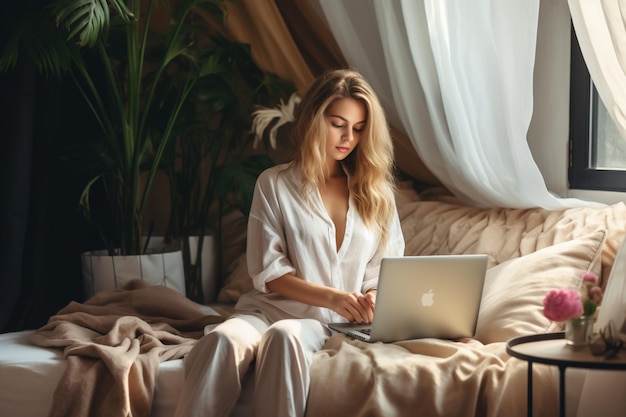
column 424, row 296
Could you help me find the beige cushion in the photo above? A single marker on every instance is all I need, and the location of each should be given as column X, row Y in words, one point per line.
column 512, row 303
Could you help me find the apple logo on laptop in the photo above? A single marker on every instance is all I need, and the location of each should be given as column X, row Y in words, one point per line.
column 428, row 298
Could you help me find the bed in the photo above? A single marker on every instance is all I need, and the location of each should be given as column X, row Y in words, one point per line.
column 530, row 251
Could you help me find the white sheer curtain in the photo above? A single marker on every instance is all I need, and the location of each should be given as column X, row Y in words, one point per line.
column 457, row 77
column 601, row 30
column 600, row 26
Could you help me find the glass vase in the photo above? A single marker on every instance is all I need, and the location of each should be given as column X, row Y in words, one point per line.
column 578, row 331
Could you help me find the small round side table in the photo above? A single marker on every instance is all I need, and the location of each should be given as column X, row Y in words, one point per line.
column 551, row 349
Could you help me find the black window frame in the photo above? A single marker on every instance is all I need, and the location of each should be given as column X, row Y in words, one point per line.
column 583, row 99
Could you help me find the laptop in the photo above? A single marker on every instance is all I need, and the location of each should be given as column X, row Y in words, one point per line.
column 424, row 296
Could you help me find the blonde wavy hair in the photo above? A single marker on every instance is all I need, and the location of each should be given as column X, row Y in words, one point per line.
column 370, row 165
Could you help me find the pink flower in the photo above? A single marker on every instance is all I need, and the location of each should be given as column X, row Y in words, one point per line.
column 590, row 278
column 596, row 294
column 561, row 305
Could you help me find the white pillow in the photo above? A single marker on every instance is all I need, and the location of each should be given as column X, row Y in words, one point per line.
column 512, row 303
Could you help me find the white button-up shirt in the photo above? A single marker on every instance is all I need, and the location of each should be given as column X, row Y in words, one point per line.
column 291, row 234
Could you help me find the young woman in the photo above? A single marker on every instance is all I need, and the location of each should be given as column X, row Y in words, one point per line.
column 318, row 229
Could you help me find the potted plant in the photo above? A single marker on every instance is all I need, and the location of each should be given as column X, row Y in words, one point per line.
column 140, row 82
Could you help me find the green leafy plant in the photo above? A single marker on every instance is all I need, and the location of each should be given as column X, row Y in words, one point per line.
column 103, row 45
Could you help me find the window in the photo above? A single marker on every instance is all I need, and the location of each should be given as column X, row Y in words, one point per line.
column 597, row 152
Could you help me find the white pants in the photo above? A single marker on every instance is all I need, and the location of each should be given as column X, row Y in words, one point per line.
column 216, row 366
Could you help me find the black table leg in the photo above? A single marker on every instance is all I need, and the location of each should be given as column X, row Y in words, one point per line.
column 529, row 394
column 562, row 391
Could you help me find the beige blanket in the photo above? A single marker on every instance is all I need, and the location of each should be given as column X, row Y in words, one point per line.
column 425, row 377
column 473, row 377
column 468, row 378
column 114, row 343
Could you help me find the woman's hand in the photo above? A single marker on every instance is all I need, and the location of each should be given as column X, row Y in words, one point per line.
column 354, row 306
column 371, row 297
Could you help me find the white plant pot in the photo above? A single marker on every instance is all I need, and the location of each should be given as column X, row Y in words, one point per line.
column 103, row 272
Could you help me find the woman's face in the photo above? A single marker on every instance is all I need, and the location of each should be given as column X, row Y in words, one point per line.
column 345, row 119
